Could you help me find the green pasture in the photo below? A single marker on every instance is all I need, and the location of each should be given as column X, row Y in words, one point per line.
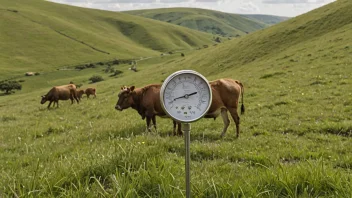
column 295, row 138
column 210, row 21
column 38, row 36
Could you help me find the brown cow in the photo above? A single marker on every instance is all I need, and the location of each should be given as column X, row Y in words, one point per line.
column 145, row 100
column 226, row 93
column 90, row 91
column 80, row 94
column 57, row 93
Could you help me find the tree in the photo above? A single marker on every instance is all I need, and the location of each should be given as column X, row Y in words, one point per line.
column 96, row 78
column 8, row 86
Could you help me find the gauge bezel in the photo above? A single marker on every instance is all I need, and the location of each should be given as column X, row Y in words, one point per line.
column 171, row 77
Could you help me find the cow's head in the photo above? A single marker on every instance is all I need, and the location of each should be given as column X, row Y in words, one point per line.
column 44, row 99
column 125, row 98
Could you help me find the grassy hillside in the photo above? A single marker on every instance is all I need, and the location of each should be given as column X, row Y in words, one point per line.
column 267, row 19
column 210, row 21
column 295, row 136
column 38, row 35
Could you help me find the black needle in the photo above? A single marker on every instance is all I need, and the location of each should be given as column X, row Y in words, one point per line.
column 185, row 96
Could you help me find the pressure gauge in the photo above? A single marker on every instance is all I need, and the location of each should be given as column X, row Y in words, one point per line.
column 186, row 96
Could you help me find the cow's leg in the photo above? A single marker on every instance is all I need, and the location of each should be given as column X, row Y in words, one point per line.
column 76, row 98
column 148, row 123
column 154, row 123
column 57, row 103
column 226, row 121
column 50, row 103
column 235, row 118
column 179, row 131
column 174, row 131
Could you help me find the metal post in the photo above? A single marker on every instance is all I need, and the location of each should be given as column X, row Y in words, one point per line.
column 186, row 127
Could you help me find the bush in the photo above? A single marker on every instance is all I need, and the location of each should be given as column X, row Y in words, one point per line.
column 96, row 78
column 79, row 85
column 90, row 65
column 218, row 40
column 8, row 86
column 80, row 67
column 116, row 72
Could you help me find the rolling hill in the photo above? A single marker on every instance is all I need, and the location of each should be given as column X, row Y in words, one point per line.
column 267, row 19
column 210, row 21
column 295, row 136
column 36, row 35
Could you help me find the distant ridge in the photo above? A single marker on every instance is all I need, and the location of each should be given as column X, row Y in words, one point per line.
column 210, row 21
column 39, row 35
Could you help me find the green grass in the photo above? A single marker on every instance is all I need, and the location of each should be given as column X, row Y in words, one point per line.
column 267, row 19
column 210, row 21
column 295, row 135
column 47, row 36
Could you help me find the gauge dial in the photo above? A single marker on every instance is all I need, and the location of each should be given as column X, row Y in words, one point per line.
column 186, row 96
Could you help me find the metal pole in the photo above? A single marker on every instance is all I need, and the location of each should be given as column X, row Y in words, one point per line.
column 186, row 127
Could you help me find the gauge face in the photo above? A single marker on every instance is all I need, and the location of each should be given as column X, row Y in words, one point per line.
column 186, row 96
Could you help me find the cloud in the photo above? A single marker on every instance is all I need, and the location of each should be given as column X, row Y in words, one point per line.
column 297, row 1
column 207, row 1
column 249, row 7
column 173, row 1
column 104, row 1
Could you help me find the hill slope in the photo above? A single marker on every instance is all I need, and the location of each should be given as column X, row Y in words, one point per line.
column 38, row 34
column 210, row 21
column 267, row 19
column 295, row 136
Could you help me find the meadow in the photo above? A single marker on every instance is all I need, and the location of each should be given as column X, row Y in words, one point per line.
column 219, row 23
column 295, row 136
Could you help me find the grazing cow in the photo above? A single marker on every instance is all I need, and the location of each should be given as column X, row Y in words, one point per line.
column 80, row 94
column 57, row 93
column 90, row 91
column 145, row 100
column 226, row 93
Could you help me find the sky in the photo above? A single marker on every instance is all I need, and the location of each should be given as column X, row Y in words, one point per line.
column 290, row 8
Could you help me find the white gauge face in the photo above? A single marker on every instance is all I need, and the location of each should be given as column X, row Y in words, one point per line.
column 186, row 96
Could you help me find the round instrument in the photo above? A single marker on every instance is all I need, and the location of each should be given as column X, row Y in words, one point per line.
column 186, row 96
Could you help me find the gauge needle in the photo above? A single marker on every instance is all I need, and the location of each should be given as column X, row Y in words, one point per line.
column 185, row 96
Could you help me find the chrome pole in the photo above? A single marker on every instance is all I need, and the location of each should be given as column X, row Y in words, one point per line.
column 186, row 127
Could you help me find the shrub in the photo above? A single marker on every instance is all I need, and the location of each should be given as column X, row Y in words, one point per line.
column 80, row 67
column 8, row 86
column 218, row 40
column 90, row 65
column 116, row 72
column 96, row 78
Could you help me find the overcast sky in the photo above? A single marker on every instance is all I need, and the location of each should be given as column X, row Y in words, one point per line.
column 289, row 8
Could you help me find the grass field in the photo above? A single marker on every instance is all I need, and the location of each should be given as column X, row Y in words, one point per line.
column 295, row 136
column 39, row 36
column 215, row 22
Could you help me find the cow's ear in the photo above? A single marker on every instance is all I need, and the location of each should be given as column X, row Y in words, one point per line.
column 132, row 88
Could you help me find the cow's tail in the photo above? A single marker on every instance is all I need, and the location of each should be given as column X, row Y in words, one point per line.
column 242, row 92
